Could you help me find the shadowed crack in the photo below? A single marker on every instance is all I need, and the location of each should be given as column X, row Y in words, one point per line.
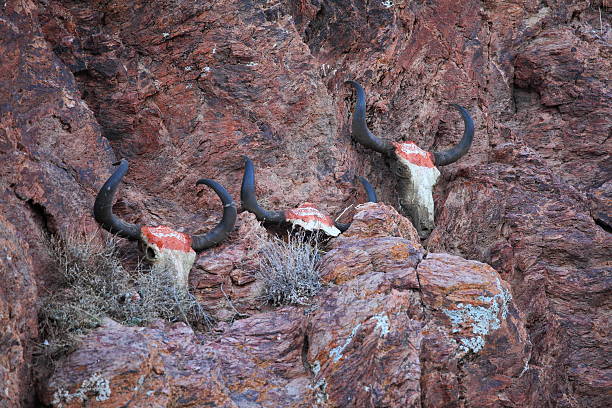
column 305, row 347
column 41, row 216
column 416, row 271
column 604, row 222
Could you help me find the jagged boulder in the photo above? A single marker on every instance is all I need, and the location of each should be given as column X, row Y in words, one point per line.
column 223, row 278
column 393, row 326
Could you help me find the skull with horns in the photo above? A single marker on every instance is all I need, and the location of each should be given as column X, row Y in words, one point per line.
column 416, row 167
column 165, row 247
column 307, row 216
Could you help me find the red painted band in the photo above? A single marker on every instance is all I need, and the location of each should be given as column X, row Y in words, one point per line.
column 412, row 153
column 165, row 237
column 307, row 213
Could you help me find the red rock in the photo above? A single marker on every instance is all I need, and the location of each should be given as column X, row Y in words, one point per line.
column 223, row 278
column 373, row 254
column 401, row 331
column 169, row 366
column 183, row 90
column 559, row 82
column 364, row 337
column 19, row 325
column 535, row 227
column 486, row 352
column 378, row 220
column 51, row 156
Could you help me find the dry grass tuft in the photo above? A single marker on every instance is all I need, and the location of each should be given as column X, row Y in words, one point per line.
column 289, row 269
column 93, row 285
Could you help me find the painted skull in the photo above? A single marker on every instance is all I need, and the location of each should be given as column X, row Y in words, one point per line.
column 307, row 216
column 172, row 250
column 169, row 249
column 311, row 218
column 416, row 168
column 418, row 176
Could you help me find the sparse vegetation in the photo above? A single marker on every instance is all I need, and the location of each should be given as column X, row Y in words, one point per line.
column 289, row 269
column 93, row 285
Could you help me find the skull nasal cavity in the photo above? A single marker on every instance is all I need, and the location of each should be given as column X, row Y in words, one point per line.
column 150, row 253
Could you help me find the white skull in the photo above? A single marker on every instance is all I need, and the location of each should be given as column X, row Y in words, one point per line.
column 311, row 218
column 170, row 250
column 418, row 175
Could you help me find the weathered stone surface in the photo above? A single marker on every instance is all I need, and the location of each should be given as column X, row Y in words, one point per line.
column 50, row 145
column 377, row 220
column 364, row 341
column 183, row 89
column 535, row 228
column 400, row 331
column 223, row 278
column 365, row 335
column 389, row 254
column 18, row 323
column 52, row 155
column 256, row 363
column 560, row 79
column 482, row 358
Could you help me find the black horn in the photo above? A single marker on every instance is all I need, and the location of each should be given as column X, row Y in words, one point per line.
column 249, row 200
column 452, row 155
column 103, row 206
column 360, row 130
column 371, row 199
column 369, row 190
column 225, row 226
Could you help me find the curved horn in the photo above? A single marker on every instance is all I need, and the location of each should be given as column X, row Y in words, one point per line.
column 225, row 226
column 103, row 206
column 360, row 130
column 249, row 201
column 342, row 226
column 371, row 198
column 369, row 190
column 452, row 155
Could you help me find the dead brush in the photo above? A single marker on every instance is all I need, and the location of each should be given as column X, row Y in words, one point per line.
column 289, row 269
column 92, row 284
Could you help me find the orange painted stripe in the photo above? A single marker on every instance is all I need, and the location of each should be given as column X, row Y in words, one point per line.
column 414, row 154
column 165, row 237
column 307, row 213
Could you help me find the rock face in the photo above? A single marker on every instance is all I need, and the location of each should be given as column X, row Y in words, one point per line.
column 184, row 89
column 391, row 328
column 535, row 228
column 377, row 220
column 223, row 278
column 483, row 359
column 169, row 366
column 51, row 154
column 19, row 326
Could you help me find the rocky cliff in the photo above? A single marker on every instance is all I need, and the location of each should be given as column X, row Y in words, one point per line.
column 183, row 89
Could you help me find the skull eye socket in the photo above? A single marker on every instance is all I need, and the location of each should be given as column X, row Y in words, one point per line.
column 150, row 253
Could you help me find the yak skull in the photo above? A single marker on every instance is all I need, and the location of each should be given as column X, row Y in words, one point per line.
column 416, row 168
column 170, row 250
column 165, row 248
column 307, row 216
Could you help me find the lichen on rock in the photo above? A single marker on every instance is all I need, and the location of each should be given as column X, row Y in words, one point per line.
column 480, row 319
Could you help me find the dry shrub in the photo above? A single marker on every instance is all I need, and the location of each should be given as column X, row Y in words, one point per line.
column 161, row 298
column 93, row 284
column 289, row 269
